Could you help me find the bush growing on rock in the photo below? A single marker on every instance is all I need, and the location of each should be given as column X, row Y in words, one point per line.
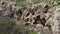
column 9, row 27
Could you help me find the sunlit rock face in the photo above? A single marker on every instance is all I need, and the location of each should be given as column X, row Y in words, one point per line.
column 56, row 21
column 46, row 31
column 37, row 16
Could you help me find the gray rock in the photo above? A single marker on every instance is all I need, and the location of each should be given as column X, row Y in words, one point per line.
column 45, row 31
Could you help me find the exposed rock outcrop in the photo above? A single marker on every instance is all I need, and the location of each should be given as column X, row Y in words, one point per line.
column 36, row 16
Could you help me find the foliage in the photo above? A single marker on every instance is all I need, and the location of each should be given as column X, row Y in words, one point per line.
column 20, row 3
column 5, row 25
column 8, row 27
column 34, row 32
column 24, row 30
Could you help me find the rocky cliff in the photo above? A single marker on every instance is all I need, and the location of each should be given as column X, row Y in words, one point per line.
column 40, row 17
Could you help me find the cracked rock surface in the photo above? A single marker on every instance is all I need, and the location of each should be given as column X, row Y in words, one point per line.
column 36, row 17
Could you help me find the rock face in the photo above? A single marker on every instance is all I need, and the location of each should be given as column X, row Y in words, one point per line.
column 36, row 16
column 56, row 21
column 46, row 31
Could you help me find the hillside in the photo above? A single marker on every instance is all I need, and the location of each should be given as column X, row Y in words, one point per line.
column 29, row 17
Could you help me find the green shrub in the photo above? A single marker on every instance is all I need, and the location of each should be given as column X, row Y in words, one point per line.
column 9, row 27
column 5, row 25
column 20, row 3
column 24, row 30
column 34, row 32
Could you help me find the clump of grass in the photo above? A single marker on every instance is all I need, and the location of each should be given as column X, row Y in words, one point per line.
column 5, row 25
column 20, row 3
column 34, row 32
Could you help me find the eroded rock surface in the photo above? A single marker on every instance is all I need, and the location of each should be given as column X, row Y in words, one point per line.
column 36, row 16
